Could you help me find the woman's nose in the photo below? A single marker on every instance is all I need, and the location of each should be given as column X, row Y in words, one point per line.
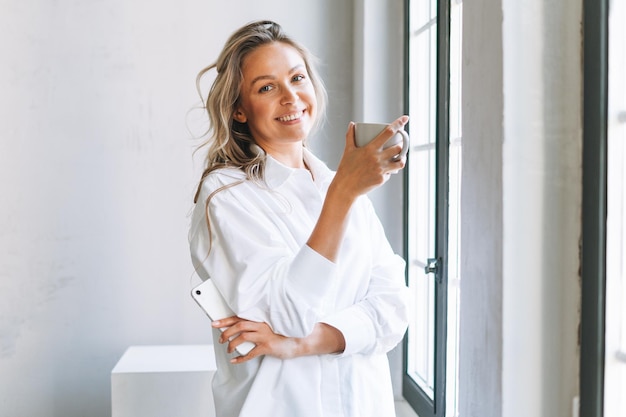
column 290, row 95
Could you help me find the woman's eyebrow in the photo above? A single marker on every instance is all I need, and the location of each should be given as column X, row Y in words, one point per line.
column 262, row 77
column 272, row 77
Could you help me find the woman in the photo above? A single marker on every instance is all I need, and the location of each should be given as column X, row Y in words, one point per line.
column 295, row 249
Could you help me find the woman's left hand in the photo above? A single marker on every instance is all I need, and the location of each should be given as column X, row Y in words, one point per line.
column 267, row 342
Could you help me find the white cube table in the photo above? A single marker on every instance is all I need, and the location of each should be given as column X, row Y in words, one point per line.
column 163, row 381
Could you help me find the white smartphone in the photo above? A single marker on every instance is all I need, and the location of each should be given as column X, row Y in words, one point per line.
column 211, row 301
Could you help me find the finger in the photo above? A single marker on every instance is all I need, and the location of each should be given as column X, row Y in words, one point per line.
column 392, row 153
column 231, row 339
column 399, row 163
column 226, row 322
column 229, row 332
column 256, row 351
column 396, row 165
column 400, row 122
column 383, row 136
column 394, row 127
column 390, row 130
column 350, row 143
column 250, row 335
column 234, row 342
column 232, row 331
column 242, row 327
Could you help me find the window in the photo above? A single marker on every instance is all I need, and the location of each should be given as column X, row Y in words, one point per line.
column 422, row 195
column 433, row 211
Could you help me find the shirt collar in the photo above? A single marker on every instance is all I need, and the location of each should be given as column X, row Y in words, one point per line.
column 276, row 174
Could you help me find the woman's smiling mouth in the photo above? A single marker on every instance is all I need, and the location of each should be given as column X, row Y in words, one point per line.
column 290, row 117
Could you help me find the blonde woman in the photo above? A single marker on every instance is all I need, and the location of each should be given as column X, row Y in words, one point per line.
column 295, row 249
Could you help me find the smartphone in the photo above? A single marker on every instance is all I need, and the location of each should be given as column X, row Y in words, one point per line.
column 211, row 301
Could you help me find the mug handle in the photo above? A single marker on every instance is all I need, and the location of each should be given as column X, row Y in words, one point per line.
column 405, row 144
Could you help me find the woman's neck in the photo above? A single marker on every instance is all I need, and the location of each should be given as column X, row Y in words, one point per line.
column 291, row 156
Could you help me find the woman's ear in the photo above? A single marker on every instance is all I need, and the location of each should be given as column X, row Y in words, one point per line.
column 239, row 116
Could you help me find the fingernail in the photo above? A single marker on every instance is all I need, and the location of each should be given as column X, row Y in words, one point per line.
column 215, row 323
column 405, row 119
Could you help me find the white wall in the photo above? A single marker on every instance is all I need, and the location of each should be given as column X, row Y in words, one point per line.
column 542, row 177
column 521, row 208
column 97, row 179
column 480, row 338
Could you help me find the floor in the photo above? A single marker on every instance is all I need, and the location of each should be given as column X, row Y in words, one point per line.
column 403, row 409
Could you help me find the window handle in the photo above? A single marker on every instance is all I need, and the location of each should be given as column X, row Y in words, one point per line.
column 432, row 265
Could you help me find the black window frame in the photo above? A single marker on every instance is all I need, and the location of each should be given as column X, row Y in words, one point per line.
column 594, row 207
column 414, row 395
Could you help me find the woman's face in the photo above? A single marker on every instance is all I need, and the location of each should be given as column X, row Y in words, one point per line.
column 277, row 99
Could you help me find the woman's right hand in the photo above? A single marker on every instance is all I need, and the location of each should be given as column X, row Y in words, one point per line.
column 360, row 170
column 363, row 169
column 324, row 339
column 267, row 342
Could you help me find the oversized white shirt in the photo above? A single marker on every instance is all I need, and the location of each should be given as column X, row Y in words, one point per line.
column 261, row 264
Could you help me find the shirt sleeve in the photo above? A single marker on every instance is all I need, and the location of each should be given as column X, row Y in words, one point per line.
column 263, row 274
column 377, row 322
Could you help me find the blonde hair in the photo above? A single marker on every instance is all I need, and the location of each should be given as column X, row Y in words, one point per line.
column 230, row 143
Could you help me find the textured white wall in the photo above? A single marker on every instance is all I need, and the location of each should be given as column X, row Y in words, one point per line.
column 97, row 180
column 480, row 339
column 521, row 208
column 542, row 177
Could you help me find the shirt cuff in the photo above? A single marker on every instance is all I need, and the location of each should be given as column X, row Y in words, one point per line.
column 312, row 274
column 356, row 327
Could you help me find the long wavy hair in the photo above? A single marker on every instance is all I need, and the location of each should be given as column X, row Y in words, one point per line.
column 230, row 143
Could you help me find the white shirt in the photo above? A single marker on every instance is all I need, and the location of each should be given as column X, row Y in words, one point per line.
column 261, row 264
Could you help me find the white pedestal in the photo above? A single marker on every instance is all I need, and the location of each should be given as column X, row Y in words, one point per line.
column 163, row 381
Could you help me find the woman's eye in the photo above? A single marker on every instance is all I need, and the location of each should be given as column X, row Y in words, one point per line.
column 298, row 77
column 265, row 89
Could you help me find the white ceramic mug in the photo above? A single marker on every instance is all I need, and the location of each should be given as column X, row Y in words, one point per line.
column 364, row 133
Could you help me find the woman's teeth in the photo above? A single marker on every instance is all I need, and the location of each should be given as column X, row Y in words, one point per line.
column 290, row 117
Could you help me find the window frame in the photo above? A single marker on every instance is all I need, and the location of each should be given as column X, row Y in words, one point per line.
column 594, row 207
column 414, row 395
